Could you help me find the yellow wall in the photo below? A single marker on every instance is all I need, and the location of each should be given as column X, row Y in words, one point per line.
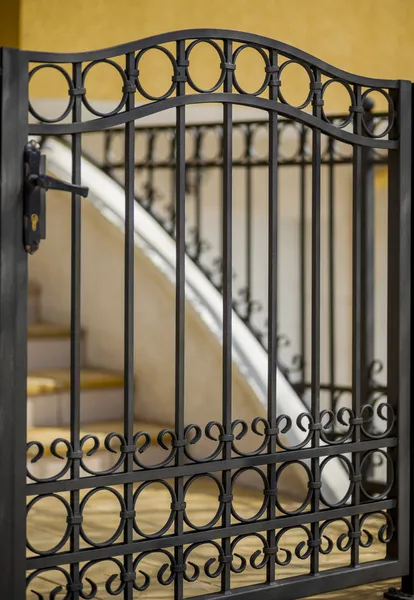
column 370, row 37
column 9, row 23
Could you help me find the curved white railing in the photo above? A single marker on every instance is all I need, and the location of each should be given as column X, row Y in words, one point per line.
column 109, row 198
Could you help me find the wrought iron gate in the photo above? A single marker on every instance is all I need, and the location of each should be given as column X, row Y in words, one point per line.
column 129, row 476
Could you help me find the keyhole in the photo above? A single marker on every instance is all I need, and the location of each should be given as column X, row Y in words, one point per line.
column 34, row 219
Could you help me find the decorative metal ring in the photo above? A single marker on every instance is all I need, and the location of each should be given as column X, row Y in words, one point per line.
column 266, row 80
column 173, row 85
column 390, row 473
column 311, row 81
column 350, row 91
column 69, row 107
column 391, row 113
column 302, row 550
column 252, row 132
column 220, row 507
column 108, row 583
column 222, row 67
column 338, row 416
column 284, row 422
column 125, row 82
column 254, row 428
column 265, row 502
column 219, row 561
column 309, row 494
column 194, row 433
column 146, row 444
column 217, row 131
column 58, row 588
column 385, row 532
column 120, row 527
column 384, row 411
column 172, row 565
column 96, row 446
column 53, row 450
column 265, row 551
column 351, row 486
column 68, row 530
column 171, row 516
column 344, row 540
column 295, row 155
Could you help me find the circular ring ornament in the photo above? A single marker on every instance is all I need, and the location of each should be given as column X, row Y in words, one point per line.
column 311, row 80
column 171, row 516
column 266, row 80
column 120, row 527
column 390, row 473
column 68, row 530
column 140, row 88
column 220, row 52
column 265, row 502
column 220, row 507
column 351, row 486
column 69, row 81
column 351, row 94
column 121, row 72
column 309, row 493
column 391, row 113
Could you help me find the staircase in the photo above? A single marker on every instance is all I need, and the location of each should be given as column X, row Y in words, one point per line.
column 103, row 228
column 48, row 396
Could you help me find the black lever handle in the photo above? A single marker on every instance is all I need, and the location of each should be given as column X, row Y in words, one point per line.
column 51, row 183
column 35, row 185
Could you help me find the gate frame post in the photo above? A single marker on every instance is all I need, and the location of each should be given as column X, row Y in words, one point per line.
column 399, row 341
column 13, row 324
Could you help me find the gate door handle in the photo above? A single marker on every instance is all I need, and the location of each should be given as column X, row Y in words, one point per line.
column 51, row 183
column 36, row 183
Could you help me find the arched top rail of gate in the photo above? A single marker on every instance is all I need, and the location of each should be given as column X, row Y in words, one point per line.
column 228, row 45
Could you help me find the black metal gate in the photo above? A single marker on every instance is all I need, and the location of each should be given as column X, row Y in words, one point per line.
column 125, row 551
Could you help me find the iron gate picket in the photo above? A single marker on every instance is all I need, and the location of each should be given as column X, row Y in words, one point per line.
column 226, row 530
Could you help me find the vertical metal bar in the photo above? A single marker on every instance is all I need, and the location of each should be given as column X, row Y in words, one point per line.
column 249, row 223
column 150, row 170
column 272, row 308
column 357, row 323
column 367, row 274
column 180, row 313
column 107, row 149
column 316, row 306
column 75, row 324
column 227, row 302
column 398, row 326
column 129, row 315
column 302, row 253
column 197, row 193
column 13, row 323
column 172, row 185
column 331, row 267
column 406, row 429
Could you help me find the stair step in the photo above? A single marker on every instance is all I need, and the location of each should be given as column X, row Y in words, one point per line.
column 49, row 346
column 44, row 330
column 48, row 391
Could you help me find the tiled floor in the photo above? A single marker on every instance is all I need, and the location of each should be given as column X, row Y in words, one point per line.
column 46, row 524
